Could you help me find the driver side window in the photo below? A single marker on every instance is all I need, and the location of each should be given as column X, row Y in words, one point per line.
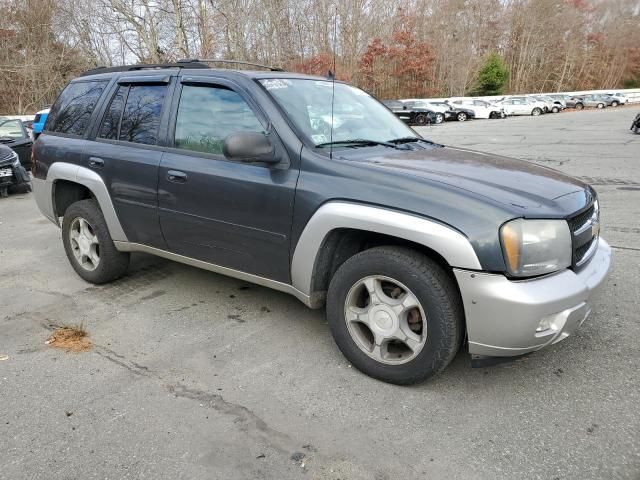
column 208, row 114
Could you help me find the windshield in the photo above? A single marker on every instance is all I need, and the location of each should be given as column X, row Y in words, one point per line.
column 11, row 129
column 356, row 114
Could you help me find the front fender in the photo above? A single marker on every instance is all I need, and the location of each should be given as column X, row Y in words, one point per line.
column 452, row 245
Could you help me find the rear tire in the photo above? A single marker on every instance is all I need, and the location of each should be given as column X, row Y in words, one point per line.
column 426, row 301
column 421, row 119
column 600, row 105
column 555, row 110
column 88, row 244
column 536, row 112
column 579, row 106
column 439, row 118
column 461, row 117
column 614, row 103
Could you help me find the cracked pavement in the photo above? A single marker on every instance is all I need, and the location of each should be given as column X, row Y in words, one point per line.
column 197, row 376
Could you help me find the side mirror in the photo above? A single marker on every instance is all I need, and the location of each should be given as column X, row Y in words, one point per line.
column 249, row 147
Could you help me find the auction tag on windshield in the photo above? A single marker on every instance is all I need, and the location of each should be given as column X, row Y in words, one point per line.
column 276, row 83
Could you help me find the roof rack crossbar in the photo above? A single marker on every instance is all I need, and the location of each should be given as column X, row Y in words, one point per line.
column 234, row 62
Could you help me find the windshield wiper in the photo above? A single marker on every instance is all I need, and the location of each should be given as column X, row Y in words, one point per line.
column 359, row 142
column 402, row 140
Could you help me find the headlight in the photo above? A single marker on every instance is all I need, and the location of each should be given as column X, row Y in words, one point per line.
column 16, row 160
column 535, row 247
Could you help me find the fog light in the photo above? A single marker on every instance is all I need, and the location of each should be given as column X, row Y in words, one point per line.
column 546, row 324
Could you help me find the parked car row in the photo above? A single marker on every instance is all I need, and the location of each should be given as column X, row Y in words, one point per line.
column 416, row 111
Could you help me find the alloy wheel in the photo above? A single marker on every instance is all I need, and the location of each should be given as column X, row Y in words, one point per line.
column 84, row 244
column 385, row 320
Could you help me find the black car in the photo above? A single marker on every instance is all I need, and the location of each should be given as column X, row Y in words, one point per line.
column 412, row 115
column 416, row 248
column 11, row 172
column 13, row 134
column 452, row 112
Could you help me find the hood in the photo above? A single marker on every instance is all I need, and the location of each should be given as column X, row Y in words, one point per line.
column 6, row 156
column 526, row 188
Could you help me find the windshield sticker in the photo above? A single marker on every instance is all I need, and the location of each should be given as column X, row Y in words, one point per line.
column 276, row 83
column 322, row 83
column 318, row 139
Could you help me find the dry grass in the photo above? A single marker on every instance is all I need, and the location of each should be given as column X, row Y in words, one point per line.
column 70, row 338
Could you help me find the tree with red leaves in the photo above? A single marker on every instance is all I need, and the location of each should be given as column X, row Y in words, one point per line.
column 404, row 67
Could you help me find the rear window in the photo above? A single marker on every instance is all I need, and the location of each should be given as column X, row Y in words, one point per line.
column 73, row 108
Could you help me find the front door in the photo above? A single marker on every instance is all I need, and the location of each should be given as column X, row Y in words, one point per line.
column 232, row 214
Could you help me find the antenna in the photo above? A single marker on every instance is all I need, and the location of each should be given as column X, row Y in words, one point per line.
column 332, row 76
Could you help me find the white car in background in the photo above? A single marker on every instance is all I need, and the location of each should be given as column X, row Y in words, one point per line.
column 522, row 106
column 545, row 103
column 481, row 108
column 551, row 105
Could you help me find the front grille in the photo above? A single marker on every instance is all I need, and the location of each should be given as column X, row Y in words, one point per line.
column 582, row 250
column 584, row 234
column 579, row 220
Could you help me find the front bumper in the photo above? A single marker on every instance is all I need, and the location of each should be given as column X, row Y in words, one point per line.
column 19, row 175
column 503, row 315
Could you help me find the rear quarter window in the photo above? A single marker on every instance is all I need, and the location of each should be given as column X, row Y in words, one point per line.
column 73, row 108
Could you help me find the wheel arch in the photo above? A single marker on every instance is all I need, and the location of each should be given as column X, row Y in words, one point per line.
column 338, row 230
column 67, row 183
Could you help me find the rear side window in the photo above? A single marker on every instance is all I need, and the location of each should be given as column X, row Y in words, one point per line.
column 110, row 127
column 134, row 114
column 207, row 115
column 141, row 116
column 73, row 108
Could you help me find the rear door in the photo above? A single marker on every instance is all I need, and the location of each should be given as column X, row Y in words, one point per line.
column 127, row 153
column 232, row 214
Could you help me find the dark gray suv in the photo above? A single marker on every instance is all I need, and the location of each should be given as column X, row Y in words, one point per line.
column 413, row 246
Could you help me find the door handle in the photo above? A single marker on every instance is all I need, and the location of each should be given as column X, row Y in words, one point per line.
column 96, row 162
column 176, row 176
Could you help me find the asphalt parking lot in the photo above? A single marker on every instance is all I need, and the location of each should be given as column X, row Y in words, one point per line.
column 196, row 376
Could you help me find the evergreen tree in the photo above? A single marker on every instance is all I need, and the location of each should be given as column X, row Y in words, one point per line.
column 492, row 77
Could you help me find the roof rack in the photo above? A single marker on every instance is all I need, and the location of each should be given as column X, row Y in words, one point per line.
column 234, row 62
column 145, row 66
column 185, row 63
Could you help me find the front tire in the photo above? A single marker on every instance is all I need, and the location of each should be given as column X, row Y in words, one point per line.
column 579, row 106
column 88, row 244
column 536, row 112
column 555, row 110
column 614, row 103
column 439, row 118
column 461, row 117
column 600, row 105
column 395, row 314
